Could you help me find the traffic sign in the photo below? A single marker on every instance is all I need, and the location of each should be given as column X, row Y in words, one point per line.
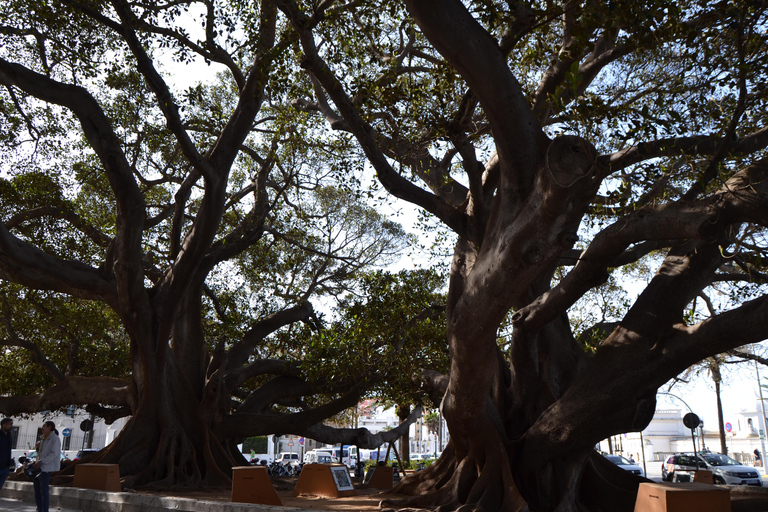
column 301, row 441
column 728, row 427
column 290, row 442
column 66, row 432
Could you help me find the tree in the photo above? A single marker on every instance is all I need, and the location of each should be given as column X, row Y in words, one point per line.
column 178, row 231
column 587, row 135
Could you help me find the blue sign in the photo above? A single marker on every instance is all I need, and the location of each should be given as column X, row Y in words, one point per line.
column 66, row 432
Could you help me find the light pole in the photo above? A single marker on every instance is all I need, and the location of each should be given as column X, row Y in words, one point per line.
column 762, row 411
column 689, row 410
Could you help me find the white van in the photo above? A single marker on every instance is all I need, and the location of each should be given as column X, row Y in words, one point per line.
column 319, row 457
column 346, row 455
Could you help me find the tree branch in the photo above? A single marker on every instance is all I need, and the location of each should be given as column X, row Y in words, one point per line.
column 71, row 391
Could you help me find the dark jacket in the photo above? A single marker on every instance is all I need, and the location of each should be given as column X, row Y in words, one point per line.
column 5, row 449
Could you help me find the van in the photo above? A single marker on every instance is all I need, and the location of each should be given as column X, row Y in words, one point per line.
column 319, row 457
column 345, row 455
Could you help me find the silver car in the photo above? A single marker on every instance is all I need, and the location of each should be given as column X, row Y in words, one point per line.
column 725, row 470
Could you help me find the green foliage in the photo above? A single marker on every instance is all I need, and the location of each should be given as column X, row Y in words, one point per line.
column 385, row 334
column 256, row 444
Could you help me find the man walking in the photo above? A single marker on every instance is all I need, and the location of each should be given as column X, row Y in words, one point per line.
column 5, row 449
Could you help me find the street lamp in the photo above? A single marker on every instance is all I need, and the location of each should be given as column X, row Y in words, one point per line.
column 689, row 410
column 762, row 411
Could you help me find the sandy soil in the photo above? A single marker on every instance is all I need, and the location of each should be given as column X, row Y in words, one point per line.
column 366, row 500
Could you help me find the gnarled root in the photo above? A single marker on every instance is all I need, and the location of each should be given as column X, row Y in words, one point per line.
column 481, row 481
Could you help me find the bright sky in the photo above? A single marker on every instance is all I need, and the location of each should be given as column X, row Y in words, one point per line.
column 738, row 391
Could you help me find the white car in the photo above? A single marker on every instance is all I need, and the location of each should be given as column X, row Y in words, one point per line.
column 288, row 458
column 625, row 464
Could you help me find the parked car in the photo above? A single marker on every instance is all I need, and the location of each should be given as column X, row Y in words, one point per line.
column 31, row 456
column 83, row 453
column 725, row 470
column 289, row 458
column 625, row 464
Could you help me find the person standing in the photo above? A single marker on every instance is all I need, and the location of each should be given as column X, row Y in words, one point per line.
column 48, row 460
column 6, row 444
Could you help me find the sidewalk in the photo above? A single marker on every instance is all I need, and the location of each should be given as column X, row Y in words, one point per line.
column 20, row 496
column 23, row 506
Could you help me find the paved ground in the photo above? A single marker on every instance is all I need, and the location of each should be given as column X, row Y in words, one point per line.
column 363, row 502
column 21, row 506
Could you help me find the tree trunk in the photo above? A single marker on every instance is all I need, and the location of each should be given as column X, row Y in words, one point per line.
column 403, row 411
column 168, row 442
column 720, row 419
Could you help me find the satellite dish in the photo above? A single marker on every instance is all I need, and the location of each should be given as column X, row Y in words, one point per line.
column 691, row 421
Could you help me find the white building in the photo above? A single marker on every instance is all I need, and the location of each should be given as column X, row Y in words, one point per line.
column 666, row 434
column 27, row 431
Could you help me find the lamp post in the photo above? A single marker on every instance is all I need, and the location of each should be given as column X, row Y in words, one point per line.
column 762, row 419
column 689, row 410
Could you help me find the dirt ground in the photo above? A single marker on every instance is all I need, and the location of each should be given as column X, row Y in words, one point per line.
column 743, row 499
column 366, row 500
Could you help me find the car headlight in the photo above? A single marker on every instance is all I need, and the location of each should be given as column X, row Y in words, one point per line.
column 731, row 473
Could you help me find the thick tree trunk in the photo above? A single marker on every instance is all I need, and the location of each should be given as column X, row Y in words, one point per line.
column 720, row 419
column 168, row 442
column 496, row 410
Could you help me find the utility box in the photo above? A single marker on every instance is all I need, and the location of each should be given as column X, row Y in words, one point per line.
column 381, row 477
column 687, row 497
column 102, row 477
column 251, row 484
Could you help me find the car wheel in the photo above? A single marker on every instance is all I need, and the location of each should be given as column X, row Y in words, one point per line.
column 718, row 480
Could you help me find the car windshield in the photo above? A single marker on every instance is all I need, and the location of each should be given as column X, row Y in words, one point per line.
column 717, row 459
column 618, row 460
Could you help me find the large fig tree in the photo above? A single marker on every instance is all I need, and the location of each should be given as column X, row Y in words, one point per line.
column 560, row 141
column 158, row 230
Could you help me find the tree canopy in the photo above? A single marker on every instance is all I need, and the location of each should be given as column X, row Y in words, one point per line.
column 163, row 242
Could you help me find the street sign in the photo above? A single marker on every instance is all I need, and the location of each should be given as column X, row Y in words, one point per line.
column 86, row 425
column 301, row 441
column 66, row 432
column 290, row 443
column 728, row 427
column 691, row 421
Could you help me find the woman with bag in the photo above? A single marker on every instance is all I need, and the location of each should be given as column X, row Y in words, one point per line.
column 48, row 460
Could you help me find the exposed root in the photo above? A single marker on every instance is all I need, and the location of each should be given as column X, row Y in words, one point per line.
column 480, row 482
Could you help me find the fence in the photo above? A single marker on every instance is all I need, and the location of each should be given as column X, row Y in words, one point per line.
column 76, row 441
